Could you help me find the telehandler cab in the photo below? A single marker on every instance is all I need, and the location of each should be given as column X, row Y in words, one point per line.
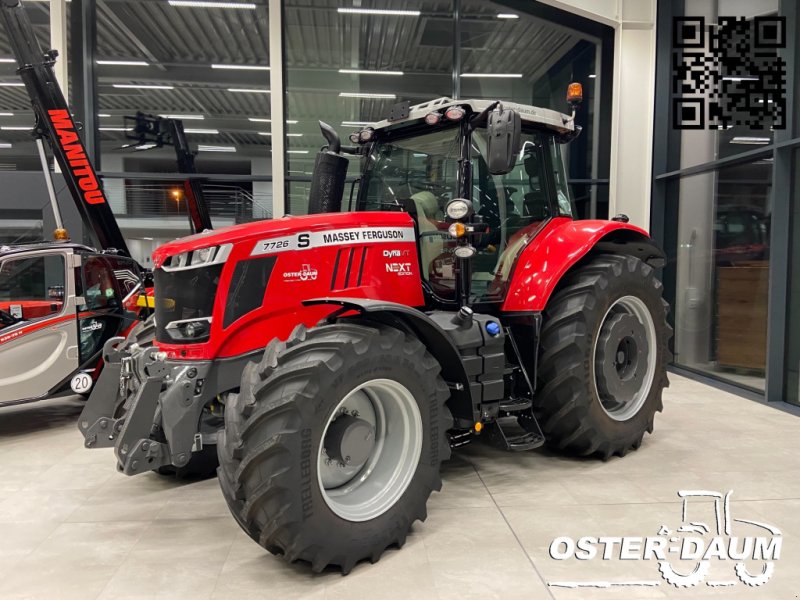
column 348, row 352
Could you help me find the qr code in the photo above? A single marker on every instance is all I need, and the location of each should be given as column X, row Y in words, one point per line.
column 728, row 74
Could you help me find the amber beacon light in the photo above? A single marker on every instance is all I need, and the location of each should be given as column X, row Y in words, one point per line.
column 574, row 93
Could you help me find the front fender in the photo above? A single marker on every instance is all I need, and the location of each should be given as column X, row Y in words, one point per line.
column 563, row 242
column 437, row 342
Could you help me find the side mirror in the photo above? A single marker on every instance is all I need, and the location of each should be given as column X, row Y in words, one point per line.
column 503, row 130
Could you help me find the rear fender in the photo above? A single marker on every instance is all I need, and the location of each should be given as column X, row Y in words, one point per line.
column 437, row 342
column 561, row 245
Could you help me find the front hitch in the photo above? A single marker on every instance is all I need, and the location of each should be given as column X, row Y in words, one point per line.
column 155, row 424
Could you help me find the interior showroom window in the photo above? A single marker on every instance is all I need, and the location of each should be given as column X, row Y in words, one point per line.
column 205, row 69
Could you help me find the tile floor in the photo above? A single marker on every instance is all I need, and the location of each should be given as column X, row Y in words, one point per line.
column 71, row 527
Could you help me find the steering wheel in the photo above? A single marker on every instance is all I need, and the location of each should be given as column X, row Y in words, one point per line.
column 7, row 318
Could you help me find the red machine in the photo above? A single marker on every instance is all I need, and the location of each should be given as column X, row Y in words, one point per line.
column 344, row 354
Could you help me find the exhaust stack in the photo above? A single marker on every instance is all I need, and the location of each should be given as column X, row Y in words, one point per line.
column 330, row 170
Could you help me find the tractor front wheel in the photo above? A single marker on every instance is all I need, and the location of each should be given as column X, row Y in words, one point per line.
column 333, row 444
column 603, row 356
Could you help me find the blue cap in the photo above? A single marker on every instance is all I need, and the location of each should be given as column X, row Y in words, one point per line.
column 492, row 328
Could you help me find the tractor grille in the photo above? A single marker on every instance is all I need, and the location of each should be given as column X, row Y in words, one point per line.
column 184, row 302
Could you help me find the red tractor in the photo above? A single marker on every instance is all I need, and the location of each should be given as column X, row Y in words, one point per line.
column 346, row 353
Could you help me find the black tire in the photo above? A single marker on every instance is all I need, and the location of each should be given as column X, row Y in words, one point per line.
column 273, row 436
column 570, row 402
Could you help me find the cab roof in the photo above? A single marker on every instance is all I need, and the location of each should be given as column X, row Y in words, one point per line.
column 552, row 119
column 7, row 250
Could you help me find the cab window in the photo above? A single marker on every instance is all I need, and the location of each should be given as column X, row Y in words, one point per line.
column 32, row 287
column 99, row 289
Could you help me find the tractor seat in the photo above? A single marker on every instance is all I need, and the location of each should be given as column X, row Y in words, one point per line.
column 428, row 213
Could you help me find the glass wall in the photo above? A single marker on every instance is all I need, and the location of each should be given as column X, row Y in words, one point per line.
column 723, row 194
column 207, row 68
column 348, row 66
column 17, row 150
column 721, row 267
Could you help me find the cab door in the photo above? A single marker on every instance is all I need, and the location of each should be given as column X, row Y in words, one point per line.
column 101, row 315
column 38, row 337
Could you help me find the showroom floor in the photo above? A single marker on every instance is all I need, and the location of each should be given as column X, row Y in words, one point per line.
column 71, row 527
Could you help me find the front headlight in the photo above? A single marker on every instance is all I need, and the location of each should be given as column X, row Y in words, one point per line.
column 198, row 258
column 190, row 330
column 459, row 208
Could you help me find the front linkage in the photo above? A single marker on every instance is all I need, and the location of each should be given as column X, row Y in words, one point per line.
column 139, row 388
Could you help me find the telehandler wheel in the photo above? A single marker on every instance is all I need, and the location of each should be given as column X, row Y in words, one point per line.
column 333, row 444
column 603, row 356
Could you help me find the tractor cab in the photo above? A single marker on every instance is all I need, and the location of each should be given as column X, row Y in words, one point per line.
column 59, row 303
column 440, row 152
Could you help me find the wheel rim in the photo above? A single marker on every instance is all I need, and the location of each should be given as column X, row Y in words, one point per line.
column 370, row 450
column 625, row 350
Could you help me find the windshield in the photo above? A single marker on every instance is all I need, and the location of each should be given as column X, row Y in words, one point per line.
column 422, row 169
column 32, row 287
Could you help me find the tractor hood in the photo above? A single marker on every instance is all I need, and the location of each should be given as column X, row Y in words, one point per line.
column 295, row 233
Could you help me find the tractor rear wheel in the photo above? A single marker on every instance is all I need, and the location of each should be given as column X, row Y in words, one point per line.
column 603, row 356
column 333, row 444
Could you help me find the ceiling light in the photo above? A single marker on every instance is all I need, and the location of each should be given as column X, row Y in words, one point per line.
column 5, row 145
column 741, row 139
column 265, row 120
column 209, row 4
column 495, row 75
column 137, row 86
column 11, row 84
column 203, row 148
column 379, row 11
column 16, row 128
column 507, row 16
column 287, row 135
column 248, row 91
column 104, row 115
column 115, row 128
column 145, row 146
column 297, row 151
column 208, row 131
column 6, row 114
column 355, row 123
column 184, row 117
column 124, row 63
column 364, row 95
column 8, row 60
column 592, row 76
column 241, row 67
column 369, row 72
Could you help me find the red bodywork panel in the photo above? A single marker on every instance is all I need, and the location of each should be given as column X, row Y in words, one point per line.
column 543, row 262
column 359, row 255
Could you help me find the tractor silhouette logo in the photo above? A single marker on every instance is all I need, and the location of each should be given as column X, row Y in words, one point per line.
column 307, row 273
column 708, row 534
column 704, row 545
